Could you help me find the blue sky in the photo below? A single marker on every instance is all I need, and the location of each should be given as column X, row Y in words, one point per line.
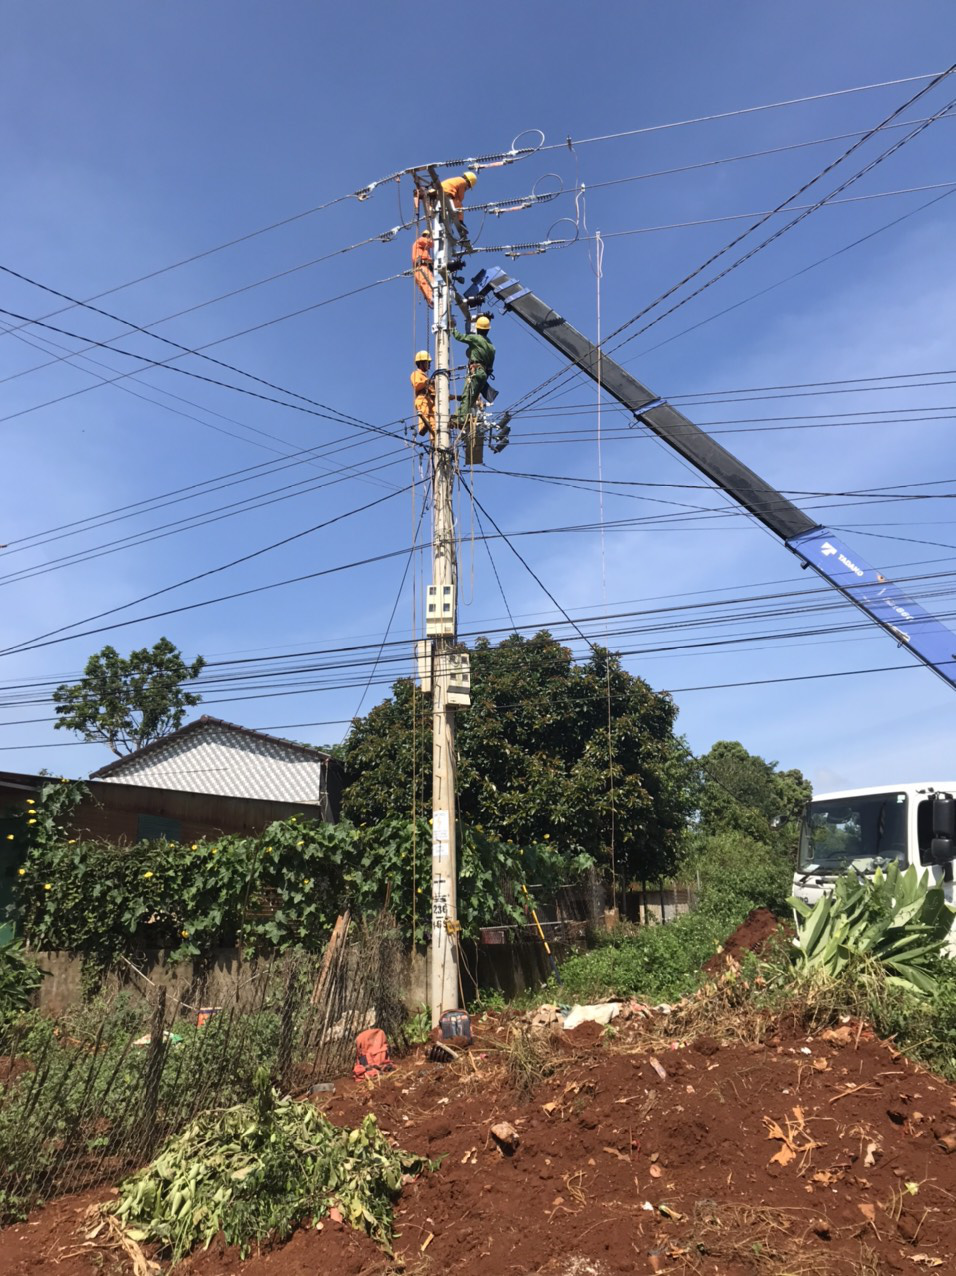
column 139, row 136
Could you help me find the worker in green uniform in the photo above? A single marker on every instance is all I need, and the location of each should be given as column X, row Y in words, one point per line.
column 481, row 362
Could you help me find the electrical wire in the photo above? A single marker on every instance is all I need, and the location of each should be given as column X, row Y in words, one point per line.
column 746, row 110
column 391, row 619
column 678, row 619
column 306, row 405
column 177, row 314
column 231, row 510
column 801, row 216
column 43, row 641
column 534, row 246
column 203, row 575
column 265, row 468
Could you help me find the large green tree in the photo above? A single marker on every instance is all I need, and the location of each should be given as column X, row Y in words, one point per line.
column 581, row 755
column 129, row 701
column 743, row 793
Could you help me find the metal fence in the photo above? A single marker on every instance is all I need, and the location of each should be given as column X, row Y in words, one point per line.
column 88, row 1096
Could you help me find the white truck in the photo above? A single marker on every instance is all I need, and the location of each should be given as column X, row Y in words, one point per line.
column 863, row 829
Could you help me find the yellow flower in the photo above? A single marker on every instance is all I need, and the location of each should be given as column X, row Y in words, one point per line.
column 184, row 933
column 22, row 872
column 9, row 837
column 213, row 851
column 31, row 802
column 149, row 874
column 72, row 842
column 300, row 843
column 291, row 819
column 47, row 886
column 194, row 847
column 31, row 821
column 307, row 881
column 547, row 837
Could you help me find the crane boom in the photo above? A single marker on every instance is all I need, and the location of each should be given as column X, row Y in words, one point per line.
column 816, row 546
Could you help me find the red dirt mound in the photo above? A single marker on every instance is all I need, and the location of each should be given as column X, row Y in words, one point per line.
column 825, row 1153
column 751, row 936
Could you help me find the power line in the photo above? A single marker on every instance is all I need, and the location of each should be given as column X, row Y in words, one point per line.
column 672, row 691
column 705, row 513
column 675, row 618
column 177, row 314
column 211, row 571
column 746, row 110
column 265, row 468
column 186, row 261
column 714, row 257
column 324, row 410
column 804, row 213
column 166, row 407
column 689, row 224
column 191, row 491
column 732, row 217
column 391, row 619
column 520, row 203
column 230, row 510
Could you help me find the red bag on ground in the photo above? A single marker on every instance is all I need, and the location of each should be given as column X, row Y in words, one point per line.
column 371, row 1054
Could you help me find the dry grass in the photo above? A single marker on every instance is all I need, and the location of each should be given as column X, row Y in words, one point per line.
column 738, row 1010
column 529, row 1059
column 773, row 1242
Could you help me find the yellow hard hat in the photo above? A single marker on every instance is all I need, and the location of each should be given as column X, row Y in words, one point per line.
column 471, row 178
column 482, row 323
column 423, row 357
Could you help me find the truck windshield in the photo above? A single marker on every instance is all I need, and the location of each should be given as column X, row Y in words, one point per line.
column 860, row 832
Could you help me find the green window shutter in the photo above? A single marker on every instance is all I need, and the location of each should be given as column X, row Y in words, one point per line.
column 150, row 828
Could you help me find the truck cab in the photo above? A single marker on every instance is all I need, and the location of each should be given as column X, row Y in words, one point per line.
column 866, row 829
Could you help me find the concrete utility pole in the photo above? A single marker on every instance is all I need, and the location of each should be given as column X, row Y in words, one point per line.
column 441, row 626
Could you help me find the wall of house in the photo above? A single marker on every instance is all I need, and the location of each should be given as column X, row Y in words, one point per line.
column 127, row 813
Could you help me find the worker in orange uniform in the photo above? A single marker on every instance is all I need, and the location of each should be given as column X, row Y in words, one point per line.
column 423, row 388
column 455, row 189
column 422, row 264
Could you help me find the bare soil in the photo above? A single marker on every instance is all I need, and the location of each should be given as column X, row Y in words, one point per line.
column 798, row 1155
column 752, row 936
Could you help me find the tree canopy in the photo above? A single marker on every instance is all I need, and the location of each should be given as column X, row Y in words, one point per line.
column 743, row 793
column 549, row 750
column 127, row 702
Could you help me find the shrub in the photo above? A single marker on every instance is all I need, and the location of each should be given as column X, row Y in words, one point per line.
column 734, row 869
column 895, row 918
column 20, row 979
column 664, row 962
column 657, row 963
